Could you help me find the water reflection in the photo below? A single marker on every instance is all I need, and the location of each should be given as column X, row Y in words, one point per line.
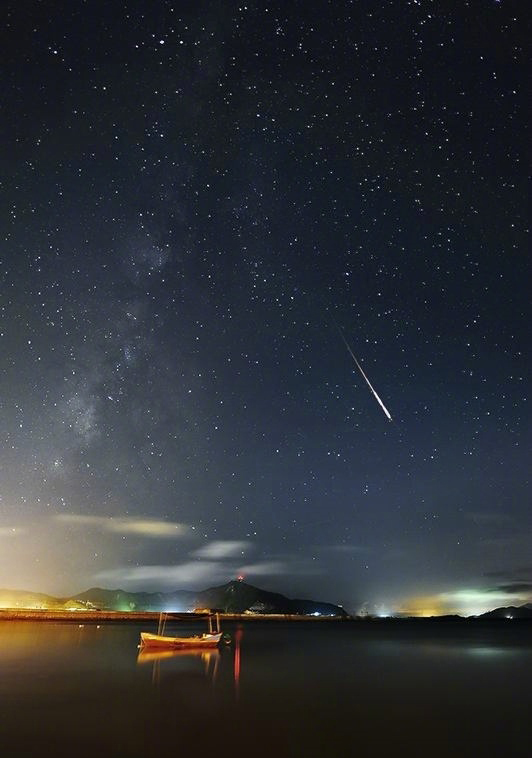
column 490, row 651
column 183, row 661
column 316, row 689
column 236, row 664
column 208, row 660
column 484, row 650
column 153, row 656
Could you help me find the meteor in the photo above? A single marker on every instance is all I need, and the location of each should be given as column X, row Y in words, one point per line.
column 353, row 356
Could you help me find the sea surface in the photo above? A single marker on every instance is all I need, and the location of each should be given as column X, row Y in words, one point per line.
column 295, row 689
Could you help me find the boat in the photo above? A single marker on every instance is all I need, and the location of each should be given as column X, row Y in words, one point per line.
column 161, row 640
column 210, row 639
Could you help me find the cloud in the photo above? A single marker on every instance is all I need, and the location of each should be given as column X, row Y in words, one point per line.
column 149, row 528
column 167, row 577
column 265, row 568
column 474, row 595
column 199, row 574
column 280, row 564
column 518, row 574
column 467, row 601
column 474, row 602
column 190, row 575
column 219, row 549
column 143, row 527
column 514, row 588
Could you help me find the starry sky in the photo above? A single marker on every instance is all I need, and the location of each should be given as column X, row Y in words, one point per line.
column 209, row 210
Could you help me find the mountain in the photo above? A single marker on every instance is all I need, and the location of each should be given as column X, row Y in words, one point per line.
column 509, row 612
column 239, row 597
column 120, row 600
column 233, row 597
column 24, row 599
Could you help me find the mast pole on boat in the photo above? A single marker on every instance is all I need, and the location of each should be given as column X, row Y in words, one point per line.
column 162, row 622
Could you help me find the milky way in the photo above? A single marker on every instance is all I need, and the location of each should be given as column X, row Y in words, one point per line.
column 184, row 186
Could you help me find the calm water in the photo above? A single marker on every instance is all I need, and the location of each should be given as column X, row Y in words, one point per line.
column 300, row 689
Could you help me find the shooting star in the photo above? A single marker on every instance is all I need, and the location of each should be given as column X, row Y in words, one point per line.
column 353, row 356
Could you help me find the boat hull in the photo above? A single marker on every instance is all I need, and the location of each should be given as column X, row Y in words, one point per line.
column 162, row 641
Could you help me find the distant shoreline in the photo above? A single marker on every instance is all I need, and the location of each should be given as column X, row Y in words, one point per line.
column 135, row 616
column 99, row 617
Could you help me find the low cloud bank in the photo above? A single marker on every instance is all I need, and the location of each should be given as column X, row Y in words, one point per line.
column 142, row 527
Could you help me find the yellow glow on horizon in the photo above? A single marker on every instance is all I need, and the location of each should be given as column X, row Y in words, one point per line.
column 424, row 606
column 7, row 603
column 463, row 602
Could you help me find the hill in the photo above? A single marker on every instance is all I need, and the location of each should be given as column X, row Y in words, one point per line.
column 24, row 599
column 120, row 600
column 233, row 597
column 509, row 612
column 239, row 597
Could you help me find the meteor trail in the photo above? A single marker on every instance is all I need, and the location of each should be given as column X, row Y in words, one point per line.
column 353, row 356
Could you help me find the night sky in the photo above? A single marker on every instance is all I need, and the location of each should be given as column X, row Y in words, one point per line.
column 208, row 210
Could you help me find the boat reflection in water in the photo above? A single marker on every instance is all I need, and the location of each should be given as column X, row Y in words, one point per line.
column 177, row 660
column 152, row 655
column 183, row 661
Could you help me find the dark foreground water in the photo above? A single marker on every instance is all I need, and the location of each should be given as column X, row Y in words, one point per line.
column 299, row 689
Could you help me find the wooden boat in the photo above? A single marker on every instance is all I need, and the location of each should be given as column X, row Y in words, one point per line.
column 208, row 640
column 161, row 640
